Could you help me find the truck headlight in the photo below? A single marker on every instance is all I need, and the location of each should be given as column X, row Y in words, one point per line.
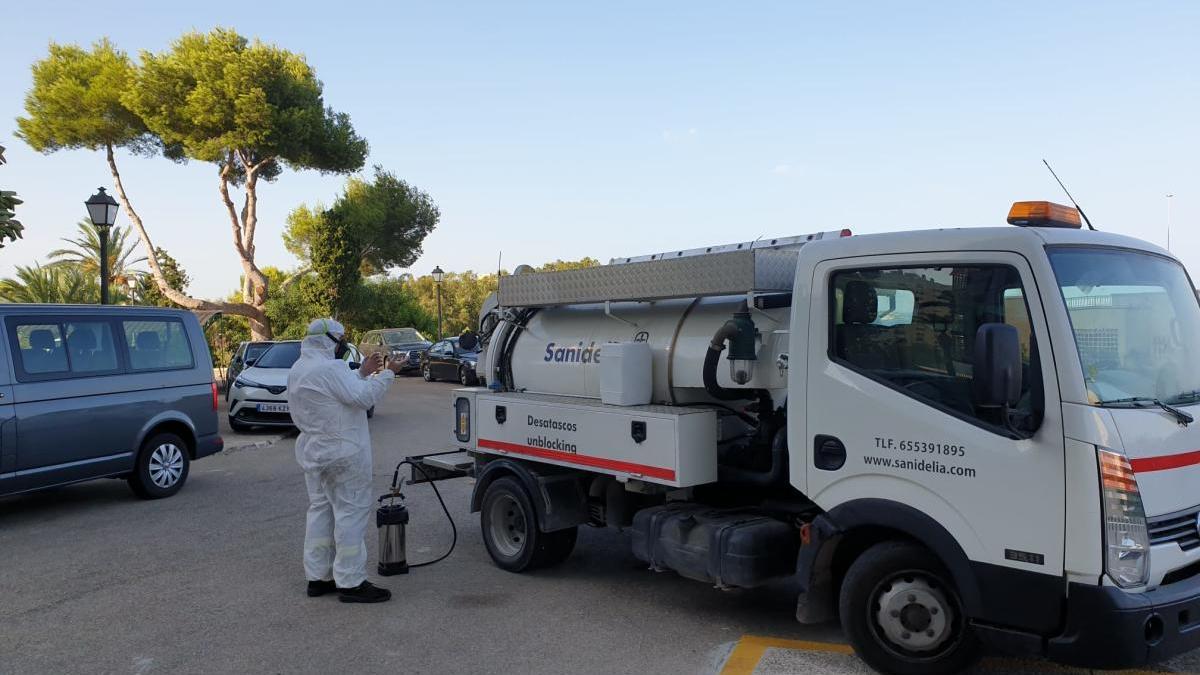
column 1126, row 538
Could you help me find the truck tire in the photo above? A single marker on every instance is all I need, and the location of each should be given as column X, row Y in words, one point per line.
column 902, row 614
column 509, row 525
column 161, row 468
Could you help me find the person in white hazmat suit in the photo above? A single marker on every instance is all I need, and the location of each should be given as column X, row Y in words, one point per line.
column 329, row 404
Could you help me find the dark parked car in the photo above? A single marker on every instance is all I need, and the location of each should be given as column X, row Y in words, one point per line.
column 398, row 344
column 445, row 360
column 245, row 356
column 94, row 392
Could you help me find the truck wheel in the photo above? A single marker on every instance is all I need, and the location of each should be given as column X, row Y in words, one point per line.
column 509, row 524
column 902, row 614
column 161, row 467
column 557, row 546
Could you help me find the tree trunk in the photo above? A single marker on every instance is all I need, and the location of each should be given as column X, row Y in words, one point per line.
column 254, row 282
column 255, row 314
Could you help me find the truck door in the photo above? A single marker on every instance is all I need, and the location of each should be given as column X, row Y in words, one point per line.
column 890, row 410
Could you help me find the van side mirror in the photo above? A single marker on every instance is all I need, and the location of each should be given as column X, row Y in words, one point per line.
column 468, row 341
column 250, row 362
column 997, row 381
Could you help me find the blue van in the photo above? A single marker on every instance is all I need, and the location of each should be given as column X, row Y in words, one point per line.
column 101, row 391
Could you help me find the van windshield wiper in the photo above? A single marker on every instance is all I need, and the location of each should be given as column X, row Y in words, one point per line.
column 1145, row 402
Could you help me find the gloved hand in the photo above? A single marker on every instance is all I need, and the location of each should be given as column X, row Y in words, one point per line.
column 371, row 365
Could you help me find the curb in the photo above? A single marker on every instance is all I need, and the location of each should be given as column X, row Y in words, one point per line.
column 264, row 442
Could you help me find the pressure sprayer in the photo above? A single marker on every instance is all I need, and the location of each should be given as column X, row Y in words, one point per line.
column 392, row 520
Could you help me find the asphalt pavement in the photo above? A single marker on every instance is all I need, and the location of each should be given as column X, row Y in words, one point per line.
column 210, row 581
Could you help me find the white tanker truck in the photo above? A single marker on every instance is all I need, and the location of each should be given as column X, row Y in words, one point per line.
column 951, row 438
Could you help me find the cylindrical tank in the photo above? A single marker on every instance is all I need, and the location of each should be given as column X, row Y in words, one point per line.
column 560, row 349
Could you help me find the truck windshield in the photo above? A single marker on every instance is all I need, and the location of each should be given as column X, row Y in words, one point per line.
column 1135, row 317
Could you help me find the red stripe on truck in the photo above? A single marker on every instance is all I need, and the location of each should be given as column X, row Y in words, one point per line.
column 583, row 460
column 1164, row 462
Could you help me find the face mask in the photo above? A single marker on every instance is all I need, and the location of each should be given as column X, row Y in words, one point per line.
column 342, row 346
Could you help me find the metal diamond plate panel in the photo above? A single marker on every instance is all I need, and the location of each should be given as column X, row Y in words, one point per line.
column 729, row 273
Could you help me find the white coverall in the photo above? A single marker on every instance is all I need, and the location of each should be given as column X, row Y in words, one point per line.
column 329, row 403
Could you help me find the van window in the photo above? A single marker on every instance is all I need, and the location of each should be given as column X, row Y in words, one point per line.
column 157, row 345
column 914, row 329
column 41, row 348
column 90, row 347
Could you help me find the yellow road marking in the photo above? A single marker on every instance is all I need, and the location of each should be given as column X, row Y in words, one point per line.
column 750, row 649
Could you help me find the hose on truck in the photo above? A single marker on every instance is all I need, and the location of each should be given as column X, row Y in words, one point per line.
column 397, row 483
column 770, row 428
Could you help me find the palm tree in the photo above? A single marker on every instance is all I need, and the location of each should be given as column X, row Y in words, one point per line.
column 85, row 255
column 53, row 284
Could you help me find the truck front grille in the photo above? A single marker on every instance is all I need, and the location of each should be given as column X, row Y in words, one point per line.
column 1181, row 527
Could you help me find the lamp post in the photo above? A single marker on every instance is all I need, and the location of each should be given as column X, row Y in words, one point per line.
column 102, row 209
column 1169, row 197
column 438, row 275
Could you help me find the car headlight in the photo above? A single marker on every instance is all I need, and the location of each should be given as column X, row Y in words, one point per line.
column 1126, row 537
column 243, row 382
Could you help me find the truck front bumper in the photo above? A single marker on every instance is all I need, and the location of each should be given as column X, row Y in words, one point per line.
column 1109, row 628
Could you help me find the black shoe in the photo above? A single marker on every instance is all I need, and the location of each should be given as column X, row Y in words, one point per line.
column 364, row 592
column 318, row 588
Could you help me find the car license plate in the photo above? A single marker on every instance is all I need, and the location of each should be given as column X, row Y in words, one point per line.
column 272, row 407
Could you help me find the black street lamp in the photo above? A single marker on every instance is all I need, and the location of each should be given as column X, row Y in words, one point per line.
column 102, row 209
column 438, row 275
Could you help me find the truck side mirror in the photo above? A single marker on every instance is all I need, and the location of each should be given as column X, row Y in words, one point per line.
column 468, row 341
column 997, row 381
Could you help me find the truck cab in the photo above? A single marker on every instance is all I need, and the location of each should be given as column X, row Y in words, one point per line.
column 952, row 438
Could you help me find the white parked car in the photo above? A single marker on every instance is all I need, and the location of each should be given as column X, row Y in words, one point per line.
column 258, row 397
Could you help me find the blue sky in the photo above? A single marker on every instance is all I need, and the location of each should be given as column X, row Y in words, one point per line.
column 562, row 130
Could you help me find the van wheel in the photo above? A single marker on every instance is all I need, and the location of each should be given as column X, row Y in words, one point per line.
column 510, row 530
column 902, row 613
column 162, row 467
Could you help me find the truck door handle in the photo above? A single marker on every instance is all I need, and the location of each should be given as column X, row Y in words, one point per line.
column 829, row 453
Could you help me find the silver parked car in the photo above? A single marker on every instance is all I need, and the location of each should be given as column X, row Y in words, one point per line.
column 258, row 396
